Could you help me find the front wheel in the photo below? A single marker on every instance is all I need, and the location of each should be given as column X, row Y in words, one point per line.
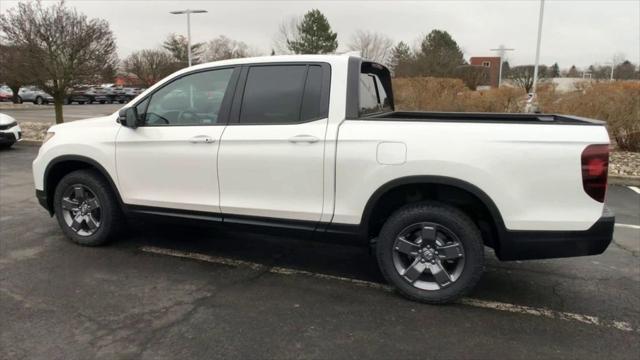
column 86, row 208
column 430, row 252
column 39, row 101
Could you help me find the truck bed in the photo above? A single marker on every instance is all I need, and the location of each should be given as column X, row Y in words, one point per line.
column 519, row 118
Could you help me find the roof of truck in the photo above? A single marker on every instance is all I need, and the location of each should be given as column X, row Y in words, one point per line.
column 331, row 58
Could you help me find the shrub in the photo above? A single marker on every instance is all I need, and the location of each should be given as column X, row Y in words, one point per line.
column 617, row 103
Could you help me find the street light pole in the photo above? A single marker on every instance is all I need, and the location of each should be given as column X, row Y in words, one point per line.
column 188, row 12
column 613, row 65
column 535, row 69
column 501, row 52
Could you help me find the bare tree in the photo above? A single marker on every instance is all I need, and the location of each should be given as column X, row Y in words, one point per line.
column 62, row 47
column 372, row 46
column 150, row 65
column 522, row 75
column 222, row 48
column 14, row 71
column 287, row 32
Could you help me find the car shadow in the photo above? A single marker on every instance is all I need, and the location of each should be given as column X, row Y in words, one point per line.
column 352, row 261
column 301, row 253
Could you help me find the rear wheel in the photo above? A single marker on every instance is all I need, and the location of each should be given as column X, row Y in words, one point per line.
column 430, row 252
column 86, row 208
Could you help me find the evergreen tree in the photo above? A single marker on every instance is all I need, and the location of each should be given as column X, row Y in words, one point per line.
column 554, row 71
column 401, row 60
column 506, row 69
column 177, row 46
column 573, row 72
column 314, row 35
column 625, row 71
column 439, row 55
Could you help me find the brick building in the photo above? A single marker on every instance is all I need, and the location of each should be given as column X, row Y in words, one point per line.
column 491, row 62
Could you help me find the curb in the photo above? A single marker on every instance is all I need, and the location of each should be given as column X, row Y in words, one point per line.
column 30, row 142
column 23, row 106
column 624, row 180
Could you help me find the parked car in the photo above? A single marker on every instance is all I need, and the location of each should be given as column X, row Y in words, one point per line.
column 10, row 131
column 88, row 94
column 115, row 93
column 132, row 92
column 79, row 95
column 96, row 94
column 313, row 144
column 34, row 94
column 6, row 94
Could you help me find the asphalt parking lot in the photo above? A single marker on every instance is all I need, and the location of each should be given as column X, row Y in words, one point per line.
column 165, row 291
column 46, row 113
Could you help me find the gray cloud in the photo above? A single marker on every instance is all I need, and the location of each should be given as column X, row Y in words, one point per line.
column 575, row 32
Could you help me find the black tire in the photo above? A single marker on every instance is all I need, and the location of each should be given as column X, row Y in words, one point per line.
column 38, row 100
column 19, row 99
column 454, row 220
column 111, row 218
column 67, row 101
column 81, row 102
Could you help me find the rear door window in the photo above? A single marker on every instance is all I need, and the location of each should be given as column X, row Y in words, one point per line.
column 282, row 94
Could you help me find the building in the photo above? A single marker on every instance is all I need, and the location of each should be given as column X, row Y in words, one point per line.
column 491, row 62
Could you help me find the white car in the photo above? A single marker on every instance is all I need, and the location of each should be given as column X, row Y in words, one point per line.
column 10, row 131
column 313, row 144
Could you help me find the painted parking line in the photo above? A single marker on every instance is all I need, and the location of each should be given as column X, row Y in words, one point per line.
column 628, row 226
column 478, row 303
column 634, row 188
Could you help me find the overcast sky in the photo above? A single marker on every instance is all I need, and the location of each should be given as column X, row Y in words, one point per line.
column 574, row 32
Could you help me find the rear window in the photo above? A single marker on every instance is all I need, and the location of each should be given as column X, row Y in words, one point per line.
column 373, row 98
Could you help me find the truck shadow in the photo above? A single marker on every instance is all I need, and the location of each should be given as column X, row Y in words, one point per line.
column 351, row 261
column 301, row 253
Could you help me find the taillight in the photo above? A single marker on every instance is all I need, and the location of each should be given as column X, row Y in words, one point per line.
column 595, row 166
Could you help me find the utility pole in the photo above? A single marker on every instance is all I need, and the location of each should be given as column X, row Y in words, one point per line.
column 613, row 65
column 188, row 12
column 501, row 52
column 535, row 69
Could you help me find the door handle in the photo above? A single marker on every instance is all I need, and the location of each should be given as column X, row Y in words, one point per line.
column 303, row 139
column 205, row 139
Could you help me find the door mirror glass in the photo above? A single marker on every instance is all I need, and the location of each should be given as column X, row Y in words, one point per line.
column 128, row 117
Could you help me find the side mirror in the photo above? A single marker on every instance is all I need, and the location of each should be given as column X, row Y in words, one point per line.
column 128, row 117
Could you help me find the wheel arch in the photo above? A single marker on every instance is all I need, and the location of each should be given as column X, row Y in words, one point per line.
column 434, row 188
column 65, row 164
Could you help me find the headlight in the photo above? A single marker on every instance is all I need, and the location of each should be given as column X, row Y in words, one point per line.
column 48, row 136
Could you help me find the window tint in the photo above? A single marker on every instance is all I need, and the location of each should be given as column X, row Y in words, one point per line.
column 369, row 102
column 312, row 94
column 191, row 100
column 273, row 94
column 373, row 98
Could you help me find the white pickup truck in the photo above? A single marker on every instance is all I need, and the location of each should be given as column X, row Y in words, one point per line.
column 313, row 144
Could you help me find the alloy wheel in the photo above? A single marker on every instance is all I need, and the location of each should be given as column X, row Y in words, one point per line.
column 429, row 256
column 81, row 210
